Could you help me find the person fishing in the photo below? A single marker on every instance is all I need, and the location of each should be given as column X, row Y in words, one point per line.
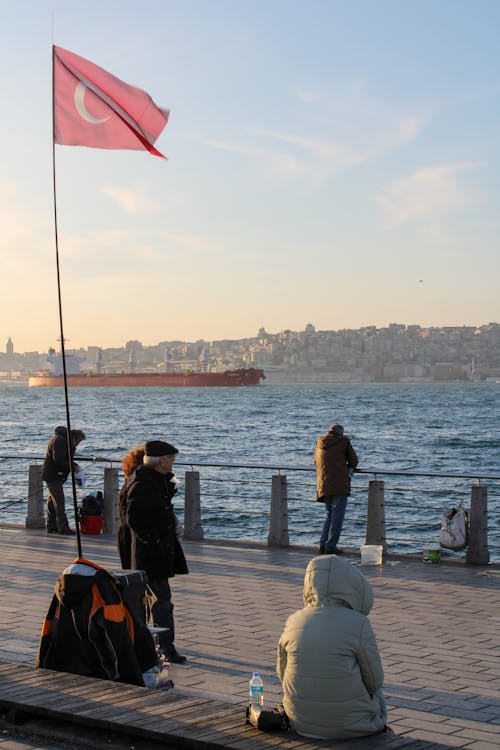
column 335, row 461
column 56, row 468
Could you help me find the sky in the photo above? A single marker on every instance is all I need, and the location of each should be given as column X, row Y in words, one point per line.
column 333, row 162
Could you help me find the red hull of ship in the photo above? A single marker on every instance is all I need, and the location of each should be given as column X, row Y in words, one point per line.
column 242, row 377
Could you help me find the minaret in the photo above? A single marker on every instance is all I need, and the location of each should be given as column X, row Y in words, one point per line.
column 167, row 356
column 98, row 362
column 131, row 362
column 204, row 359
column 9, row 349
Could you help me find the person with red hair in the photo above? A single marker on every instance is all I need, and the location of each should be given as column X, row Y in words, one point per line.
column 130, row 462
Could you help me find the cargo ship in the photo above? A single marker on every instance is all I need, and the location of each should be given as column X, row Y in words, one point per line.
column 188, row 378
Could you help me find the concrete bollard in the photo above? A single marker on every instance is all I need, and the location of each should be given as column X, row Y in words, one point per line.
column 192, row 506
column 278, row 521
column 35, row 518
column 477, row 551
column 375, row 514
column 111, row 515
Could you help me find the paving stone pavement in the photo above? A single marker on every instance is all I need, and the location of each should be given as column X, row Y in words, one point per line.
column 437, row 626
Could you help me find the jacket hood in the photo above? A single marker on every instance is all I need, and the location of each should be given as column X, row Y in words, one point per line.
column 330, row 580
column 327, row 440
column 74, row 583
column 63, row 431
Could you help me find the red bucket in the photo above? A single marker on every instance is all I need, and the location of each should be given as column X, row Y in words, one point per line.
column 91, row 525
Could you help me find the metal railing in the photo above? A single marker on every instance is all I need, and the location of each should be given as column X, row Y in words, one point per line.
column 235, row 499
column 278, row 466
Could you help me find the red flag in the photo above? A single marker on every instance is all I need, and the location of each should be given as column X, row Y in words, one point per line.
column 93, row 108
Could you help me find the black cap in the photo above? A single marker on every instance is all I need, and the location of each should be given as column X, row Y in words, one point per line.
column 159, row 448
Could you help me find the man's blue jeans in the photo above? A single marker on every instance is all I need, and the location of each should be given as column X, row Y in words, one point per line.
column 335, row 510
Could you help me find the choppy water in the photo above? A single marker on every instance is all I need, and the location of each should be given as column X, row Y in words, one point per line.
column 420, row 427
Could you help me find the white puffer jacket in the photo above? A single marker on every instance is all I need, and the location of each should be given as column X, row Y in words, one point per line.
column 328, row 660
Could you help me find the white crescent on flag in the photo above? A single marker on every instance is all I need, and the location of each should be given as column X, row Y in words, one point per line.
column 79, row 99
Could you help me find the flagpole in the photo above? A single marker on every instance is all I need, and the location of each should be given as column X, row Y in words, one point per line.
column 63, row 353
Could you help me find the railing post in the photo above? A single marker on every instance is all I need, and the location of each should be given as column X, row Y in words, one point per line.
column 477, row 551
column 35, row 518
column 192, row 506
column 111, row 517
column 375, row 514
column 278, row 520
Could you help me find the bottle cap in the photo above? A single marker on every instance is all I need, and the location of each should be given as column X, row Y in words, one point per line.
column 256, row 674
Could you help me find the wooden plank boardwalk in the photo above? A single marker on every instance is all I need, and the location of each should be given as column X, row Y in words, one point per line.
column 438, row 629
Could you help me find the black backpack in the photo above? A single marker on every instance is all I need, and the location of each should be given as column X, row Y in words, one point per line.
column 92, row 504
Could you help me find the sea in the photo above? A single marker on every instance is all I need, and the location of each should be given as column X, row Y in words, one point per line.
column 411, row 427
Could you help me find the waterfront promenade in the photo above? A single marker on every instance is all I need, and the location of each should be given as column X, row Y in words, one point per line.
column 437, row 626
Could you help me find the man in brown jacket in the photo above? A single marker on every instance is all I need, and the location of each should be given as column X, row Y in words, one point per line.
column 335, row 461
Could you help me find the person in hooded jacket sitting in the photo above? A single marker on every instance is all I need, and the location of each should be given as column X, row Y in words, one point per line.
column 328, row 660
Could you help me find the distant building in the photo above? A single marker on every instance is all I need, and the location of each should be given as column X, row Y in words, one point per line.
column 9, row 348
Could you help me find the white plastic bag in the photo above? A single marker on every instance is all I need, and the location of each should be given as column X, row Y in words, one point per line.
column 80, row 478
column 454, row 533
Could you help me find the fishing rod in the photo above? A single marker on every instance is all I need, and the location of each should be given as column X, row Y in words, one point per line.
column 61, row 328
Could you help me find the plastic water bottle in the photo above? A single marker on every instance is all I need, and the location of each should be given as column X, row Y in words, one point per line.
column 256, row 690
column 164, row 682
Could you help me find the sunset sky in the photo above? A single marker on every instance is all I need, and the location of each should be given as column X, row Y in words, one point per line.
column 329, row 162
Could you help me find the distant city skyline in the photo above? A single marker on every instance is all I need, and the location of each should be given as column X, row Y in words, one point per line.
column 9, row 346
column 332, row 163
column 395, row 353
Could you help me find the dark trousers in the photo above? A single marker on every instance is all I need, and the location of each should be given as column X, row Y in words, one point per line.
column 56, row 519
column 163, row 613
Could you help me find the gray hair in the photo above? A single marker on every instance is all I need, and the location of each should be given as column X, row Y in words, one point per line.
column 151, row 460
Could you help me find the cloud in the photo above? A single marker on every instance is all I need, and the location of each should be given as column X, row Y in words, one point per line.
column 242, row 149
column 130, row 252
column 191, row 242
column 313, row 159
column 98, row 250
column 314, row 146
column 428, row 195
column 281, row 164
column 327, row 136
column 135, row 201
column 310, row 96
column 290, row 157
column 27, row 234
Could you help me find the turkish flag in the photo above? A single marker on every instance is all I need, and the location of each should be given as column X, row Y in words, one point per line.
column 94, row 108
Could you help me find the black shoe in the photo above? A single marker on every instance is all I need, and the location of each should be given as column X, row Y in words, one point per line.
column 52, row 530
column 68, row 531
column 321, row 549
column 335, row 551
column 175, row 658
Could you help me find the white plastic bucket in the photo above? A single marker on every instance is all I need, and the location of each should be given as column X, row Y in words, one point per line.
column 371, row 554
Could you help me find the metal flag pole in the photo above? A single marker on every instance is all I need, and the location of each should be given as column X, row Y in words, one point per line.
column 63, row 353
